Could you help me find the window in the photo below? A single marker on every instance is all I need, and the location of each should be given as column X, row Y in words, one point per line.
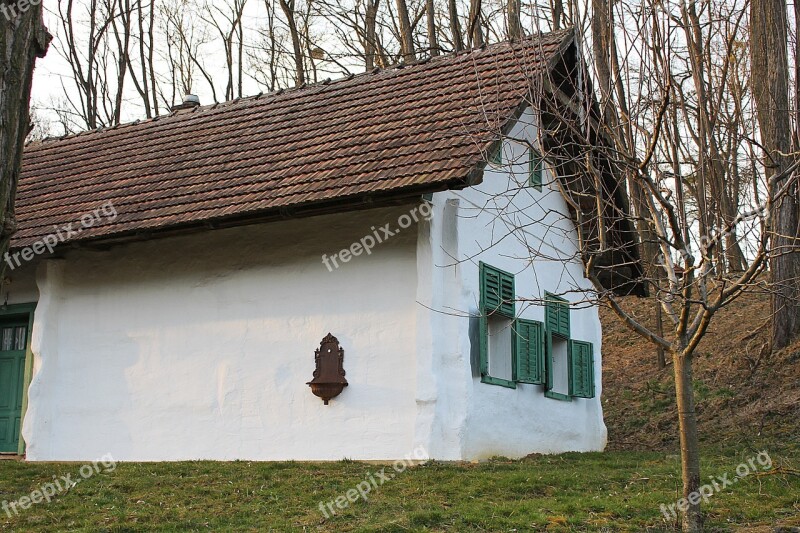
column 516, row 350
column 499, row 352
column 496, row 158
column 557, row 363
column 569, row 364
column 497, row 310
column 535, row 169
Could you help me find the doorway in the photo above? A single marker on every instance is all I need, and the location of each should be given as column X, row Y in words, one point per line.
column 14, row 342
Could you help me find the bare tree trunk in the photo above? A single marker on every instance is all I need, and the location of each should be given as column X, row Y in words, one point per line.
column 432, row 38
column 371, row 36
column 770, row 80
column 150, row 55
column 311, row 64
column 288, row 7
column 514, row 21
column 455, row 26
column 558, row 14
column 406, row 37
column 23, row 38
column 123, row 38
column 240, row 56
column 690, row 450
column 661, row 353
column 602, row 34
column 475, row 29
column 265, row 60
column 143, row 88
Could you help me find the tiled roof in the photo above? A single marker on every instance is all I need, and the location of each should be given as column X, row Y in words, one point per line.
column 423, row 126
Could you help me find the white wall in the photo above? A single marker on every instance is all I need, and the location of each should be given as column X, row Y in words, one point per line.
column 200, row 347
column 20, row 287
column 478, row 224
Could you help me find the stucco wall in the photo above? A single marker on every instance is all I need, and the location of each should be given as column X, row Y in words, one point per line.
column 514, row 227
column 200, row 347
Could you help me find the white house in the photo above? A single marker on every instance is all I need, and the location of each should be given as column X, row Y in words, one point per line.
column 172, row 279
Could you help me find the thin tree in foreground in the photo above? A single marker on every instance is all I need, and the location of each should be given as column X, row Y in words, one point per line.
column 601, row 160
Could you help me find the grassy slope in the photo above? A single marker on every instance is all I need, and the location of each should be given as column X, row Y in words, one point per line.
column 747, row 398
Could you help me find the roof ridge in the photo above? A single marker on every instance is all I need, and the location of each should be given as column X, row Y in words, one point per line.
column 328, row 82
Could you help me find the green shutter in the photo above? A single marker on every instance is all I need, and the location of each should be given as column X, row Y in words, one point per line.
column 535, row 168
column 530, row 351
column 581, row 369
column 557, row 315
column 497, row 291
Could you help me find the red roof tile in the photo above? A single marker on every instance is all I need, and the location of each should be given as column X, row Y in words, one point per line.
column 401, row 130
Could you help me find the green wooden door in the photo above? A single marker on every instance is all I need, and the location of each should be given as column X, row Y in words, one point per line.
column 13, row 343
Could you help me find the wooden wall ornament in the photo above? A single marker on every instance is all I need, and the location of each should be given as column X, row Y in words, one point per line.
column 329, row 380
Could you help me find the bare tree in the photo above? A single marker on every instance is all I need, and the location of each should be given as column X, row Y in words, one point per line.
column 433, row 40
column 186, row 35
column 455, row 25
column 768, row 50
column 359, row 30
column 265, row 59
column 145, row 80
column 288, row 7
column 226, row 20
column 85, row 64
column 23, row 39
column 121, row 30
column 514, row 20
column 406, row 32
column 370, row 33
column 475, row 26
column 667, row 144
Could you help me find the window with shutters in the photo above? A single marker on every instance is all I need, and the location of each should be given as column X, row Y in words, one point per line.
column 535, row 169
column 569, row 363
column 517, row 350
column 557, row 367
column 497, row 343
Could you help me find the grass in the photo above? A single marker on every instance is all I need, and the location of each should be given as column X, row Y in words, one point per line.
column 616, row 491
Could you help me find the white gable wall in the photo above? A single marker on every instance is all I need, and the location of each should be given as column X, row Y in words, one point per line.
column 200, row 347
column 476, row 225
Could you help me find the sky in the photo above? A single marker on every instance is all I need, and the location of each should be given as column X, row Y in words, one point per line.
column 53, row 75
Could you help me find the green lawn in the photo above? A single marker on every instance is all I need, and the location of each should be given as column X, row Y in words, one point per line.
column 619, row 491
